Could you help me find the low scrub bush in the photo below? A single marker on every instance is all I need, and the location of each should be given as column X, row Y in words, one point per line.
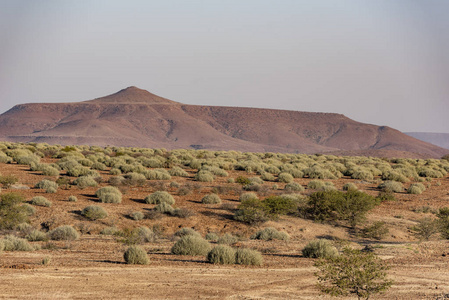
column 245, row 256
column 12, row 211
column 41, row 201
column 36, row 236
column 136, row 215
column 212, row 236
column 393, row 186
column 211, row 199
column 65, row 232
column 416, row 188
column 107, row 190
column 164, row 208
column 350, row 187
column 378, row 230
column 228, row 239
column 248, row 196
column 85, row 181
column 136, row 255
column 8, row 180
column 191, row 245
column 160, row 197
column 270, row 233
column 47, row 185
column 294, row 187
column 72, row 199
column 285, row 177
column 242, row 180
column 177, row 171
column 251, row 211
column 93, row 212
column 182, row 213
column 320, row 248
column 186, row 231
column 221, row 254
column 204, row 176
column 110, row 198
column 13, row 243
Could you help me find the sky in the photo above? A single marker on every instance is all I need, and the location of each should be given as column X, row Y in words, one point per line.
column 381, row 62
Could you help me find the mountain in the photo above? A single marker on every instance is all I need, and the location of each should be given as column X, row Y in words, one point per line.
column 135, row 117
column 439, row 139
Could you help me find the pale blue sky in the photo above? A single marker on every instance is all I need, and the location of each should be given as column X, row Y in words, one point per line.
column 382, row 62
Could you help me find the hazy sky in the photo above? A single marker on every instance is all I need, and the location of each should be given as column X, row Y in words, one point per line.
column 383, row 62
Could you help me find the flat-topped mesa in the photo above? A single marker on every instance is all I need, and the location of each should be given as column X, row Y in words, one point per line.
column 133, row 95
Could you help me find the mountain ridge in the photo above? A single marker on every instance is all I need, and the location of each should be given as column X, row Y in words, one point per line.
column 135, row 117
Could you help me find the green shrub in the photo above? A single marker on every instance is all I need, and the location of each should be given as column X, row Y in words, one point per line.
column 13, row 243
column 160, row 197
column 136, row 215
column 107, row 190
column 244, row 256
column 109, row 230
column 48, row 170
column 110, row 198
column 378, row 230
column 394, row 176
column 270, row 233
column 211, row 199
column 362, row 175
column 227, row 239
column 293, row 186
column 186, row 231
column 177, row 171
column 12, row 212
column 315, row 184
column 353, row 272
column 65, row 232
column 416, row 188
column 242, row 180
column 248, row 196
column 393, row 186
column 320, row 248
column 94, row 212
column 136, row 255
column 83, row 182
column 265, row 176
column 191, row 245
column 386, row 195
column 251, row 211
column 276, row 205
column 285, row 177
column 36, row 236
column 164, row 208
column 221, row 254
column 204, row 176
column 41, row 201
column 350, row 186
column 8, row 180
column 134, row 179
column 47, row 185
column 28, row 209
column 72, row 198
column 212, row 236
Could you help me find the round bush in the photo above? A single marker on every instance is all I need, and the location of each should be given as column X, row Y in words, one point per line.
column 41, row 201
column 350, row 187
column 164, row 208
column 293, row 186
column 248, row 196
column 143, row 235
column 212, row 236
column 223, row 255
column 72, row 198
column 46, row 184
column 320, row 248
column 94, row 212
column 285, row 177
column 29, row 210
column 13, row 243
column 204, row 176
column 269, row 234
column 36, row 236
column 136, row 255
column 191, row 245
column 107, row 190
column 244, row 256
column 393, row 186
column 228, row 239
column 160, row 197
column 136, row 215
column 416, row 188
column 186, row 231
column 65, row 232
column 362, row 175
column 110, row 198
column 85, row 181
column 211, row 199
column 315, row 184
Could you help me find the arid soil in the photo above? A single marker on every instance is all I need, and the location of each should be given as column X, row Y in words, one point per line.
column 93, row 266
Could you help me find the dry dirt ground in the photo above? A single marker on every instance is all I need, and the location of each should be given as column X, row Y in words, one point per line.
column 93, row 266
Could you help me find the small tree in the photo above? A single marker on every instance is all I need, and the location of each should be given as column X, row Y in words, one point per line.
column 352, row 272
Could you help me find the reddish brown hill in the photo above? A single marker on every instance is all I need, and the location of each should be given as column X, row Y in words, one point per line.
column 135, row 117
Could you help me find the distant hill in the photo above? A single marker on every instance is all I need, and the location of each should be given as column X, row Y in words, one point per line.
column 135, row 117
column 439, row 139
